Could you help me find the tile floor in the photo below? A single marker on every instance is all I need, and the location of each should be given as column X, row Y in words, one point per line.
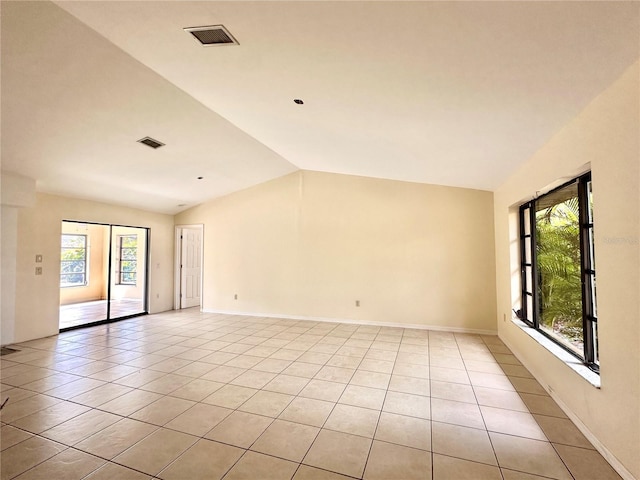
column 76, row 314
column 186, row 396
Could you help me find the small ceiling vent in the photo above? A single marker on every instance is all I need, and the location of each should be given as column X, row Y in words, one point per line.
column 150, row 142
column 212, row 35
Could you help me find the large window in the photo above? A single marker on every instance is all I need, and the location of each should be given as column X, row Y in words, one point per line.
column 127, row 259
column 73, row 261
column 558, row 276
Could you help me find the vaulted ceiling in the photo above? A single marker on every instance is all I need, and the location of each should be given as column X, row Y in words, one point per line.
column 449, row 93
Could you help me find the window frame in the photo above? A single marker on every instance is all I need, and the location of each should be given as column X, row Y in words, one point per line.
column 120, row 242
column 85, row 271
column 529, row 279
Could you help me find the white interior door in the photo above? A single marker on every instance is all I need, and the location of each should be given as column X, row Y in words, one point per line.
column 190, row 267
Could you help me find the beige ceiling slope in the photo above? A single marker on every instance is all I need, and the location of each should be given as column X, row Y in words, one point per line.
column 452, row 93
column 74, row 104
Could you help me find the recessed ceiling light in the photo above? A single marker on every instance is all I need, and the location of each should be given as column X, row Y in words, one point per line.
column 298, row 101
column 150, row 142
column 212, row 35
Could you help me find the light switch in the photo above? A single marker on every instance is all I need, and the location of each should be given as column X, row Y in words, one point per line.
column 38, row 258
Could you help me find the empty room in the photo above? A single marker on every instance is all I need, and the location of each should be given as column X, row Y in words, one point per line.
column 320, row 240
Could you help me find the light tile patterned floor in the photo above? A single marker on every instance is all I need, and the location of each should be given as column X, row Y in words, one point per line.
column 76, row 314
column 185, row 395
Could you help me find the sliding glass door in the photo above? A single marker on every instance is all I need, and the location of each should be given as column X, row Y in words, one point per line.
column 103, row 273
column 128, row 272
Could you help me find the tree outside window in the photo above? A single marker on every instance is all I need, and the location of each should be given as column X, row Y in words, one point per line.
column 73, row 261
column 558, row 271
column 127, row 259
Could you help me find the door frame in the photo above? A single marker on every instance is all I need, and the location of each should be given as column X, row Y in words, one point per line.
column 145, row 296
column 177, row 282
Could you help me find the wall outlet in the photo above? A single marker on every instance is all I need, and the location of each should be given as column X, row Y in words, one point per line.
column 38, row 270
column 235, row 297
column 504, row 317
column 357, row 303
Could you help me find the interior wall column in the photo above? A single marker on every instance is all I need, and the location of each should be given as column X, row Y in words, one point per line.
column 17, row 192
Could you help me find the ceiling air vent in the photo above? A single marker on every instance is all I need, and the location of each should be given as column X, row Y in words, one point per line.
column 212, row 35
column 150, row 142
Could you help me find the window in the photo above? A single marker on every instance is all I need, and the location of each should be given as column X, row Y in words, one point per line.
column 127, row 259
column 558, row 275
column 73, row 261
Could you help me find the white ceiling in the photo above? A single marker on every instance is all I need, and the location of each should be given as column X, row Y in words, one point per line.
column 450, row 93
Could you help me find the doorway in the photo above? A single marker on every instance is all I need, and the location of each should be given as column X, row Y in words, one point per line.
column 188, row 266
column 103, row 273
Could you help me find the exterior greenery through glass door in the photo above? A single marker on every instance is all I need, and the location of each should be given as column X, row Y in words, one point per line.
column 557, row 268
column 127, row 259
column 73, row 260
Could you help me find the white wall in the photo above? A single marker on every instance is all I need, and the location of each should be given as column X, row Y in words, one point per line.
column 17, row 192
column 310, row 244
column 8, row 281
column 38, row 232
column 606, row 136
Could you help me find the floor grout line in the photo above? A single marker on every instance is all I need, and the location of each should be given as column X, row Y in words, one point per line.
column 332, row 346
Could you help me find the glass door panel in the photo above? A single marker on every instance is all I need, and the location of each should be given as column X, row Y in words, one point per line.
column 84, row 252
column 103, row 273
column 128, row 271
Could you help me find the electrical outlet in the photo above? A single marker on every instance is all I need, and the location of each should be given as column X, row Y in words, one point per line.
column 504, row 317
column 357, row 303
column 38, row 270
column 235, row 297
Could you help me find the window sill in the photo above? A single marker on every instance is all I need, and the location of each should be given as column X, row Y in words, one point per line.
column 572, row 362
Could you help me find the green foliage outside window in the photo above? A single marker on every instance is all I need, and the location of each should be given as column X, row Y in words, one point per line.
column 73, row 260
column 559, row 271
column 128, row 246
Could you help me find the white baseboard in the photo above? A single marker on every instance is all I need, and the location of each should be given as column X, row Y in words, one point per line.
column 604, row 451
column 359, row 322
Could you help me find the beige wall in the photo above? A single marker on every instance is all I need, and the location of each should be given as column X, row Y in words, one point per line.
column 310, row 244
column 96, row 287
column 37, row 297
column 605, row 135
column 9, row 247
column 17, row 192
